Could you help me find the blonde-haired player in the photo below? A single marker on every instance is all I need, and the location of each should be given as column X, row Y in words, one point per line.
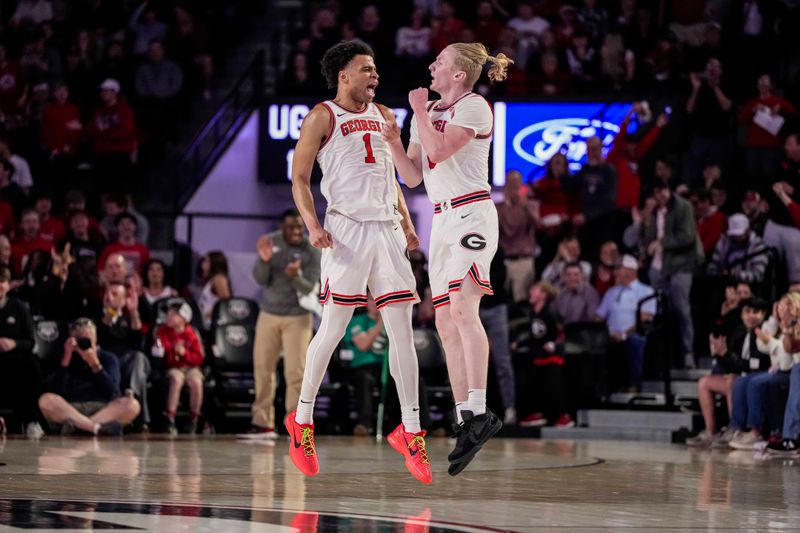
column 449, row 150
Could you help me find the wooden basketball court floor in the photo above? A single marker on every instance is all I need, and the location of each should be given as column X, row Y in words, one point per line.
column 217, row 484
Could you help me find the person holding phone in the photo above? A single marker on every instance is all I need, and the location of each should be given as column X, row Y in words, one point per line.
column 85, row 393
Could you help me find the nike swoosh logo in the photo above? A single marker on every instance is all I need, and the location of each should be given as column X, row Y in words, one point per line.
column 415, row 409
column 340, row 114
column 411, row 452
column 465, row 216
column 296, row 444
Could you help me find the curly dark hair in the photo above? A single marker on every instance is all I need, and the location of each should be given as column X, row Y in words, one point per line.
column 338, row 56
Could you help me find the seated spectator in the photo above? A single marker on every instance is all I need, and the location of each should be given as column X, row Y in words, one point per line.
column 27, row 240
column 569, row 251
column 741, row 253
column 750, row 392
column 789, row 442
column 183, row 358
column 582, row 59
column 37, row 286
column 711, row 222
column 51, row 229
column 544, row 400
column 733, row 356
column 730, row 311
column 154, row 288
column 84, row 246
column 5, row 252
column 763, row 147
column 577, row 301
column 191, row 48
column 212, row 284
column 7, row 220
column 113, row 130
column 20, row 373
column 120, row 331
column 413, row 41
column 22, row 171
column 445, row 28
column 365, row 347
column 618, row 310
column 135, row 253
column 606, row 265
column 86, row 393
column 13, row 84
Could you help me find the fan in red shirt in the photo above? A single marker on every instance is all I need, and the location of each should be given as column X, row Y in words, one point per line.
column 711, row 222
column 625, row 155
column 51, row 229
column 27, row 240
column 61, row 125
column 762, row 148
column 178, row 343
column 135, row 253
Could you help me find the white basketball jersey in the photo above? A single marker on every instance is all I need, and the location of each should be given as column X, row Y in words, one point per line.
column 467, row 170
column 358, row 178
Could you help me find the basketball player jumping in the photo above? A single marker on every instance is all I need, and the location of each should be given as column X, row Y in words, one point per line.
column 364, row 240
column 449, row 150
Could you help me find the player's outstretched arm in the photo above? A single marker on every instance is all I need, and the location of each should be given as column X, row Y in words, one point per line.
column 408, row 165
column 438, row 146
column 316, row 126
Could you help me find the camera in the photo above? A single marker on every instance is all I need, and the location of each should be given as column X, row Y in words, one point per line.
column 84, row 343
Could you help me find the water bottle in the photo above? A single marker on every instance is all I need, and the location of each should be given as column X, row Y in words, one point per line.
column 158, row 349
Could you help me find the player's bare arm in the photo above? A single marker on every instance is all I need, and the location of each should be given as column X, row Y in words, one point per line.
column 408, row 164
column 312, row 133
column 412, row 239
column 438, row 146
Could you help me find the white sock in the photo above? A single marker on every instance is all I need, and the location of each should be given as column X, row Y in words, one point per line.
column 305, row 412
column 403, row 362
column 477, row 401
column 331, row 330
column 459, row 407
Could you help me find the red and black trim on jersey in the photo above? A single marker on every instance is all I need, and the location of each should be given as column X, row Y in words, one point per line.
column 366, row 106
column 393, row 298
column 455, row 286
column 458, row 201
column 349, row 299
column 484, row 285
column 331, row 124
column 325, row 293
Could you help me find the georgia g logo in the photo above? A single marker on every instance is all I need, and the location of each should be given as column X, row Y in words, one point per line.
column 473, row 241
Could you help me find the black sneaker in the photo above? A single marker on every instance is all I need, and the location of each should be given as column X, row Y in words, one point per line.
column 111, row 429
column 191, row 427
column 785, row 447
column 473, row 434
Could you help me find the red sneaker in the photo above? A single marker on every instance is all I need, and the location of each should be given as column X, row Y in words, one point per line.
column 533, row 420
column 564, row 421
column 301, row 448
column 412, row 447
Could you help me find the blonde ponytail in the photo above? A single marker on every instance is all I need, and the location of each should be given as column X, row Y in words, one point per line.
column 471, row 57
column 499, row 69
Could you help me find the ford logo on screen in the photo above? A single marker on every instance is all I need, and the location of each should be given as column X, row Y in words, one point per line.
column 527, row 135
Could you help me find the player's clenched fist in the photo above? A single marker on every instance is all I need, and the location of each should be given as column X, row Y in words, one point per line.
column 391, row 134
column 418, row 98
column 320, row 238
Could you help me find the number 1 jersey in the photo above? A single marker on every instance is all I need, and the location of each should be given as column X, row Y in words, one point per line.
column 358, row 178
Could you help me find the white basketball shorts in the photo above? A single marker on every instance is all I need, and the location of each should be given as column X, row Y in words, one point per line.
column 365, row 255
